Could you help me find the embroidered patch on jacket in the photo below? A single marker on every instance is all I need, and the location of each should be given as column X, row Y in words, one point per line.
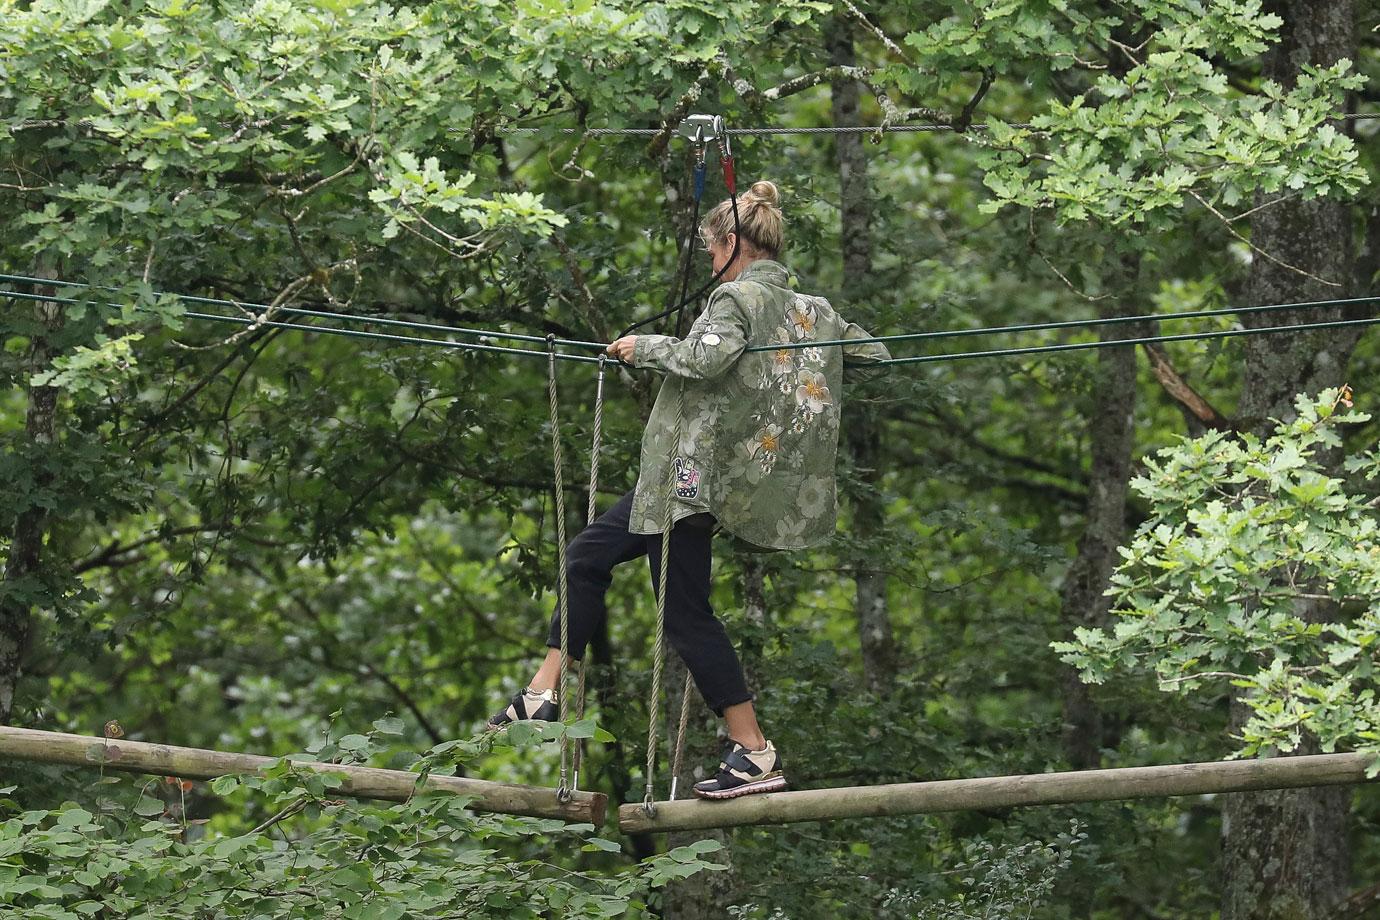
column 687, row 478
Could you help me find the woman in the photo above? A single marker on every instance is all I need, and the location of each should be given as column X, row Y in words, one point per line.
column 756, row 451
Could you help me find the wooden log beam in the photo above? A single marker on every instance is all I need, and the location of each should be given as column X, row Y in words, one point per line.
column 999, row 792
column 362, row 782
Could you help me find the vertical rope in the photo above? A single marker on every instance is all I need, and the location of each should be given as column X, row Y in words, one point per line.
column 557, row 462
column 659, row 642
column 595, row 447
column 598, row 438
column 680, row 734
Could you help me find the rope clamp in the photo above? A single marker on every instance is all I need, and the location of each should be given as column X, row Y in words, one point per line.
column 563, row 794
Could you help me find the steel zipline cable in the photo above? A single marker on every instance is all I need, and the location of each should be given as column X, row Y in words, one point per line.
column 815, row 129
column 1063, row 325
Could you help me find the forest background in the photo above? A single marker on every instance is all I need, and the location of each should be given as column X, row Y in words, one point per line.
column 275, row 541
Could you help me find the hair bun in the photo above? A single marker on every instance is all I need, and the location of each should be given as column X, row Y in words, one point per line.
column 765, row 191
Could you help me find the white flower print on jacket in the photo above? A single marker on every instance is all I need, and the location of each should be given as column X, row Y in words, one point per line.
column 813, row 392
column 782, row 359
column 803, row 318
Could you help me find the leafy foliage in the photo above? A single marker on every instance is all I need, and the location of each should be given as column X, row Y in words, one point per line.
column 1003, row 881
column 246, row 531
column 317, row 855
column 1251, row 542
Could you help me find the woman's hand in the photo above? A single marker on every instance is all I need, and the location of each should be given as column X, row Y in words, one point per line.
column 623, row 348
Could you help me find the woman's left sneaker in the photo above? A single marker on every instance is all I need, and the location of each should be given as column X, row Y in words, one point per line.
column 539, row 705
column 744, row 772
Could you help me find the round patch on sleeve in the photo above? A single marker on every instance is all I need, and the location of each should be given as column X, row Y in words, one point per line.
column 711, row 338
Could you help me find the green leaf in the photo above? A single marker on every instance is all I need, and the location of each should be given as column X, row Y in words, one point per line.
column 599, row 843
column 224, row 785
column 149, row 807
column 389, row 726
column 354, row 743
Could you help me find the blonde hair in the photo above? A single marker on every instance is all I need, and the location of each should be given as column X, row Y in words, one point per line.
column 760, row 223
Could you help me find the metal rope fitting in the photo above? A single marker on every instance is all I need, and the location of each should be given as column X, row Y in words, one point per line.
column 702, row 129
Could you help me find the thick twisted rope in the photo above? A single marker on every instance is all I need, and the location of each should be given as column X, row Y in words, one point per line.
column 659, row 642
column 680, row 734
column 594, row 449
column 558, row 461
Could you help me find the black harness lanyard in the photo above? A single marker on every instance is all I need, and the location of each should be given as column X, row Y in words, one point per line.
column 720, row 137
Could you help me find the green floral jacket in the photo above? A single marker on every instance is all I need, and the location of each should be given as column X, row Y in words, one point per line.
column 760, row 430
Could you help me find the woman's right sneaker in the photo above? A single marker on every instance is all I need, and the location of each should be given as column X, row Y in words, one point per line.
column 540, row 705
column 744, row 772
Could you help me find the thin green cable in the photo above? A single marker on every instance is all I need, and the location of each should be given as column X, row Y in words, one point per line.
column 918, row 359
column 1117, row 343
column 1070, row 324
column 900, row 337
column 329, row 330
column 322, row 314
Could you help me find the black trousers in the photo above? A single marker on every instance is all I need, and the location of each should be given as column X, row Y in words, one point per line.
column 691, row 627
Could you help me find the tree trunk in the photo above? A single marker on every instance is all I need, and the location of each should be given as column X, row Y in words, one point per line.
column 1110, row 411
column 1111, row 429
column 863, row 431
column 1285, row 854
column 29, row 528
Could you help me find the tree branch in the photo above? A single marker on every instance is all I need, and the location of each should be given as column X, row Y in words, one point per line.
column 965, row 117
column 1226, row 222
column 585, row 304
column 1358, row 905
column 329, row 640
column 657, row 147
column 115, row 549
column 876, row 30
column 1193, row 404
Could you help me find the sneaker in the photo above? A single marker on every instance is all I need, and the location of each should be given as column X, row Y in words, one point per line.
column 540, row 705
column 744, row 772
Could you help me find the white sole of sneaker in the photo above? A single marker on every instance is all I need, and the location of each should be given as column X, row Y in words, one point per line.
column 772, row 784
